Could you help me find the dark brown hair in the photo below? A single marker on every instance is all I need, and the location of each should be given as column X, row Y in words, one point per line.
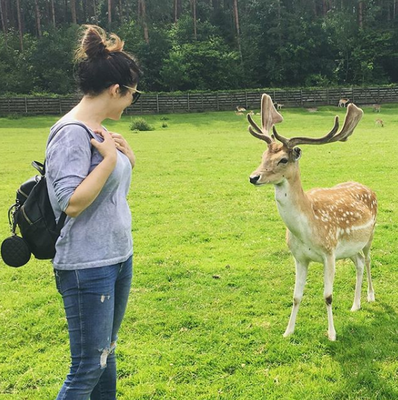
column 101, row 62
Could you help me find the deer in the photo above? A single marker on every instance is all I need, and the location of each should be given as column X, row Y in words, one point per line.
column 376, row 108
column 323, row 224
column 343, row 102
column 379, row 122
column 240, row 109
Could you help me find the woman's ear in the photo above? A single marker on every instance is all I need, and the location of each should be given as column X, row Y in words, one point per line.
column 114, row 90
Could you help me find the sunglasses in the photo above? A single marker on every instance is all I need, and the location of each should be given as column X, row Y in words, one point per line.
column 135, row 93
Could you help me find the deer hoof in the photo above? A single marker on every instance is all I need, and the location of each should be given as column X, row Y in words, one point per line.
column 288, row 332
column 371, row 297
column 355, row 307
column 332, row 336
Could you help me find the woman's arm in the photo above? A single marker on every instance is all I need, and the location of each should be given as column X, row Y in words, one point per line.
column 91, row 186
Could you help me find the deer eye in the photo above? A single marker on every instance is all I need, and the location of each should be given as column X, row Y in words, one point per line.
column 283, row 161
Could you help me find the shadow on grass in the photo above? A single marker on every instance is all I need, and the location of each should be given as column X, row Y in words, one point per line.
column 367, row 353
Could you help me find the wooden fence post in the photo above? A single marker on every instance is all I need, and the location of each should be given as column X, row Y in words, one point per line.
column 157, row 103
column 189, row 108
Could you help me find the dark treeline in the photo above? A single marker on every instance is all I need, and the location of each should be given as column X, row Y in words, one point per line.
column 206, row 44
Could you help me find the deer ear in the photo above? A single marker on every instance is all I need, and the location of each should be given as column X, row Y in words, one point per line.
column 296, row 153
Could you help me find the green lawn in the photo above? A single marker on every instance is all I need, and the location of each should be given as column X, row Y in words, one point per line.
column 213, row 278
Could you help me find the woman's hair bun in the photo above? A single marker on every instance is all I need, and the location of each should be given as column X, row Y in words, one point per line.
column 95, row 43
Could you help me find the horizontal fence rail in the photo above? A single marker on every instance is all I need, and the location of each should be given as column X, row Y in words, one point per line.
column 207, row 101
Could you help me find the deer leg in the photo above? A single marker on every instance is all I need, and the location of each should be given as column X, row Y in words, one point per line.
column 366, row 252
column 301, row 276
column 329, row 270
column 359, row 262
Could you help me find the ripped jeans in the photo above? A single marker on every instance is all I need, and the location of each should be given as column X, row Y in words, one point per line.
column 95, row 300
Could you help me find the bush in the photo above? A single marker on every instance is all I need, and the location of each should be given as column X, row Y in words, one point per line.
column 164, row 125
column 139, row 124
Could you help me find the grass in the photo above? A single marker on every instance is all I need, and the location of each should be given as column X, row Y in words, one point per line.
column 213, row 277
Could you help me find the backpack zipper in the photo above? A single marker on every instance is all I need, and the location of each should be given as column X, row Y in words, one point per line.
column 23, row 193
column 26, row 217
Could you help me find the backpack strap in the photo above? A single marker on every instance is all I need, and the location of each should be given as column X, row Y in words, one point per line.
column 42, row 167
column 61, row 222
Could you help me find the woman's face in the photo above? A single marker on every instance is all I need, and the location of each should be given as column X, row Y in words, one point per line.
column 120, row 101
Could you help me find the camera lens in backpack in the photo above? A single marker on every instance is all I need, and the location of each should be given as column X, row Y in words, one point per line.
column 15, row 251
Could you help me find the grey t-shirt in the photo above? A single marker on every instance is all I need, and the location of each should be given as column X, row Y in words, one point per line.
column 101, row 234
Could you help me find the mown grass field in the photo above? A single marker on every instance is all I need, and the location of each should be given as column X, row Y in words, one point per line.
column 213, row 278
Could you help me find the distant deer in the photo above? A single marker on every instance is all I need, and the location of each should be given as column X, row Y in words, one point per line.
column 323, row 225
column 376, row 108
column 343, row 102
column 279, row 106
column 379, row 122
column 240, row 109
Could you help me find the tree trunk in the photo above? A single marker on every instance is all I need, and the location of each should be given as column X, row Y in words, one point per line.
column 85, row 11
column 95, row 11
column 73, row 11
column 360, row 14
column 20, row 28
column 175, row 10
column 38, row 19
column 53, row 13
column 127, row 10
column 141, row 15
column 3, row 14
column 110, row 14
column 120, row 11
column 236, row 18
column 195, row 34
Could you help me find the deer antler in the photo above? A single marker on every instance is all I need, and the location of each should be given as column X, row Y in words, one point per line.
column 353, row 116
column 269, row 117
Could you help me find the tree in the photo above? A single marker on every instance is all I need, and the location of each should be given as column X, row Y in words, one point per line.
column 53, row 13
column 193, row 4
column 142, row 17
column 236, row 18
column 73, row 11
column 109, row 14
column 4, row 17
column 20, row 28
column 38, row 18
column 360, row 13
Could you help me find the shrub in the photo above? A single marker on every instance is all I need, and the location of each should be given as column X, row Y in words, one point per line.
column 140, row 124
column 164, row 125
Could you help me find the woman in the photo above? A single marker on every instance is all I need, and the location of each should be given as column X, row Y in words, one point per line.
column 88, row 178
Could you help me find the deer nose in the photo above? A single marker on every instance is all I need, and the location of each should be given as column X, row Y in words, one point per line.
column 254, row 179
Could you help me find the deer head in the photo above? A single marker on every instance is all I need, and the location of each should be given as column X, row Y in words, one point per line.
column 280, row 160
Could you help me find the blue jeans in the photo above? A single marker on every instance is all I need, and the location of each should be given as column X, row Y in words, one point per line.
column 95, row 300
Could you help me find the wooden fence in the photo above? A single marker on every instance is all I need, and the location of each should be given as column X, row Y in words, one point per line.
column 207, row 101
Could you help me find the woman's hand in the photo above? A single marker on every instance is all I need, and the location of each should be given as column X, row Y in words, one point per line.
column 107, row 148
column 123, row 146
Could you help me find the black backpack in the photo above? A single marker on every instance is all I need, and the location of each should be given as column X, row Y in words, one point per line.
column 32, row 213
